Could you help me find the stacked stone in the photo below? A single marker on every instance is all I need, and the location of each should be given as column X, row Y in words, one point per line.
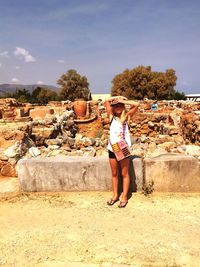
column 11, row 150
column 150, row 124
column 8, row 108
column 57, row 127
column 191, row 128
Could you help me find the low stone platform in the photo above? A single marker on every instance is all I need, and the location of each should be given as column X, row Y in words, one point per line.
column 169, row 173
column 173, row 173
column 72, row 174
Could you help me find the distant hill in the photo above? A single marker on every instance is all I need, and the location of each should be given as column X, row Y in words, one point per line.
column 11, row 88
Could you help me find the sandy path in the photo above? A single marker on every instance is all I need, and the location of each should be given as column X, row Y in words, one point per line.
column 51, row 230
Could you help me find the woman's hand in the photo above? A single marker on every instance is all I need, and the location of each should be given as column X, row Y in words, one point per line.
column 123, row 98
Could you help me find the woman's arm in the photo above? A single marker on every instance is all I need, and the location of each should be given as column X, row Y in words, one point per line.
column 108, row 107
column 134, row 106
column 119, row 97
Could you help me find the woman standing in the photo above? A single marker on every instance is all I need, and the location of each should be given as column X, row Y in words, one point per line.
column 119, row 133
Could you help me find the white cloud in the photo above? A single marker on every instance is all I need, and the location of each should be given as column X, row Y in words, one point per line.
column 4, row 54
column 0, row 65
column 17, row 67
column 23, row 53
column 61, row 61
column 40, row 82
column 14, row 80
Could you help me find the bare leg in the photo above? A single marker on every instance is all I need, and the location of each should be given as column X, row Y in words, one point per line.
column 115, row 181
column 126, row 178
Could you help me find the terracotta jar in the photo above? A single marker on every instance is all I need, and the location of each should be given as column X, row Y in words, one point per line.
column 80, row 107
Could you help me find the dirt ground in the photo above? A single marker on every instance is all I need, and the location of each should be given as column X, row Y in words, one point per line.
column 63, row 229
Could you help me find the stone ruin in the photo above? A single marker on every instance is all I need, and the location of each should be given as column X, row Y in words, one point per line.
column 55, row 130
column 8, row 108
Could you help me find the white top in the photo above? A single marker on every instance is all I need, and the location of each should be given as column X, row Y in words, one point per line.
column 116, row 132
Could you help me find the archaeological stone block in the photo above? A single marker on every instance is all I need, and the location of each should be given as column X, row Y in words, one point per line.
column 172, row 173
column 72, row 174
column 40, row 113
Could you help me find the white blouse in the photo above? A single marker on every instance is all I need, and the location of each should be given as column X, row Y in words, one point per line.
column 118, row 130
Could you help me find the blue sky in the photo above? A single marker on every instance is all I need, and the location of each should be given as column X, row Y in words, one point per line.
column 42, row 39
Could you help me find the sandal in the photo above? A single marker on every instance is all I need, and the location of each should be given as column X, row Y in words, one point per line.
column 112, row 201
column 123, row 204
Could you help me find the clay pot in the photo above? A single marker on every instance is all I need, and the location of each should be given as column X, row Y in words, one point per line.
column 80, row 107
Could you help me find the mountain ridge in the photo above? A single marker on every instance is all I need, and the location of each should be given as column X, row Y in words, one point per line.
column 11, row 88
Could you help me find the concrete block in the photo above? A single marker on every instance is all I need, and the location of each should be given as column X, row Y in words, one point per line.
column 70, row 174
column 173, row 173
column 136, row 173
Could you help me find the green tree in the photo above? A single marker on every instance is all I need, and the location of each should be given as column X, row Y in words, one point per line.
column 43, row 95
column 178, row 96
column 22, row 99
column 22, row 95
column 141, row 82
column 34, row 95
column 73, row 86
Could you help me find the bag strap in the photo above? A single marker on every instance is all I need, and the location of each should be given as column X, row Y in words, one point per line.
column 111, row 120
column 124, row 129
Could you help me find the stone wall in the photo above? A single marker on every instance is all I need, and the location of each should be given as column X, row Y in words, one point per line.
column 173, row 128
column 173, row 119
column 190, row 126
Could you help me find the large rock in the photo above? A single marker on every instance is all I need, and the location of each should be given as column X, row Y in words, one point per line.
column 71, row 174
column 5, row 143
column 173, row 173
column 43, row 131
column 8, row 170
column 40, row 113
column 192, row 150
column 12, row 151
